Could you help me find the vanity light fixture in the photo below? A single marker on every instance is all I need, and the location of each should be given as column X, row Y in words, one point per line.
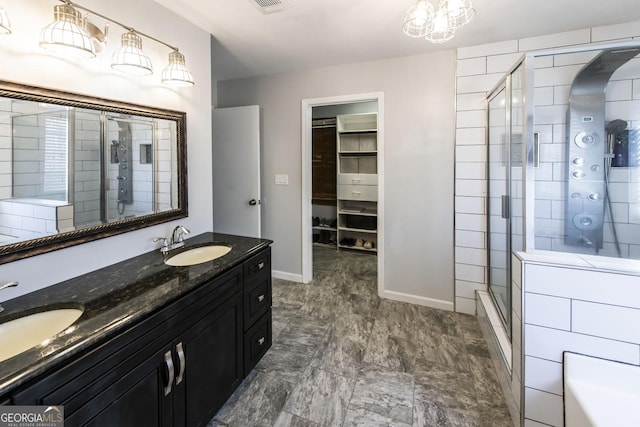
column 72, row 33
column 5, row 25
column 66, row 34
column 129, row 58
column 176, row 74
column 437, row 24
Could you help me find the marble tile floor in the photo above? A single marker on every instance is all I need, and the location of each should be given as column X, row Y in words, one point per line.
column 343, row 357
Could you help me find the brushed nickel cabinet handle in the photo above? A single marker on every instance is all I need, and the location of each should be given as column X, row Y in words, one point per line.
column 169, row 362
column 183, row 363
column 261, row 298
column 261, row 266
column 261, row 341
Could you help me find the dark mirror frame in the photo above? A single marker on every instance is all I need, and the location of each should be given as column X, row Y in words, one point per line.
column 28, row 248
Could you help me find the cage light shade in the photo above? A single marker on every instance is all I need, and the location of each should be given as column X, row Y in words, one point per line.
column 441, row 29
column 129, row 57
column 460, row 12
column 5, row 25
column 418, row 18
column 176, row 73
column 66, row 34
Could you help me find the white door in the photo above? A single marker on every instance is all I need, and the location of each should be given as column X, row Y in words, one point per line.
column 236, row 170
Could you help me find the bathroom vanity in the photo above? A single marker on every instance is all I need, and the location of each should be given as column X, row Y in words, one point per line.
column 155, row 345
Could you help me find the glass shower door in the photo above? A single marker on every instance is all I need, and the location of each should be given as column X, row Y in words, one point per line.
column 499, row 162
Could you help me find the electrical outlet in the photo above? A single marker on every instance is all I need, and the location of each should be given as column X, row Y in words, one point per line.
column 281, row 180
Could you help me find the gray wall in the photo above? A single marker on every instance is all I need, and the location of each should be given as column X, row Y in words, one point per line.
column 419, row 94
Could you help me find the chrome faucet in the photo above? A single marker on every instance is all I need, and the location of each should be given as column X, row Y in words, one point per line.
column 4, row 286
column 178, row 234
column 175, row 241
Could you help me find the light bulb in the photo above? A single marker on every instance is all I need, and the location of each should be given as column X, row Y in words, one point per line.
column 421, row 14
column 441, row 22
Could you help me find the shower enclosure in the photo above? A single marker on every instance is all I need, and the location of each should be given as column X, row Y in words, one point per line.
column 564, row 160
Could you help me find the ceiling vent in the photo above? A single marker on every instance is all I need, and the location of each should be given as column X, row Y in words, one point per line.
column 269, row 6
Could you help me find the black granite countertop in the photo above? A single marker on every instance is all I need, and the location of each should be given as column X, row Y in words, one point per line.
column 113, row 298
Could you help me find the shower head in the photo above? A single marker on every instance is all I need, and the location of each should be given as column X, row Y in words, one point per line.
column 616, row 126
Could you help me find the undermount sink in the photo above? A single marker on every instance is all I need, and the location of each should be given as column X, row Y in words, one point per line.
column 198, row 255
column 25, row 332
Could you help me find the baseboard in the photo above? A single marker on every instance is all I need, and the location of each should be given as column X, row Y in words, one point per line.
column 414, row 299
column 287, row 276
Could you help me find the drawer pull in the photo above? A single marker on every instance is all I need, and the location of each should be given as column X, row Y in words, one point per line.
column 169, row 362
column 261, row 266
column 356, row 193
column 261, row 341
column 356, row 180
column 183, row 363
column 261, row 298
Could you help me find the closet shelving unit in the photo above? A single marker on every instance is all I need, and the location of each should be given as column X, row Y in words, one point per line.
column 357, row 180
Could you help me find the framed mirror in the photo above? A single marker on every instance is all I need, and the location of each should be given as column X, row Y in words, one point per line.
column 76, row 168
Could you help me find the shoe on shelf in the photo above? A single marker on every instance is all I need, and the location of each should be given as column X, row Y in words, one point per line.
column 315, row 221
column 347, row 241
column 334, row 223
column 368, row 244
column 359, row 243
column 316, row 238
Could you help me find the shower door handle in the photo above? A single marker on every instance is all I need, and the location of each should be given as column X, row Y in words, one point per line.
column 505, row 207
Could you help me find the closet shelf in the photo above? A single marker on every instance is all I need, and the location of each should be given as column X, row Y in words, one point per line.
column 358, row 248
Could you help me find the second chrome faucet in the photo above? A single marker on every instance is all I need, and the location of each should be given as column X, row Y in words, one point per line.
column 175, row 241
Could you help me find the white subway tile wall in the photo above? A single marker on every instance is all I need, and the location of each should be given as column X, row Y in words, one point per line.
column 601, row 309
column 479, row 69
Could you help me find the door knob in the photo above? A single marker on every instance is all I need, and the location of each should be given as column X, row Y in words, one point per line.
column 253, row 202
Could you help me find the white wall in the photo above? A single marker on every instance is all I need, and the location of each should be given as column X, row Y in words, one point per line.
column 24, row 61
column 419, row 123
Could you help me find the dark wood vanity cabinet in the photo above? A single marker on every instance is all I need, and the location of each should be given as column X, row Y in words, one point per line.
column 175, row 368
column 257, row 309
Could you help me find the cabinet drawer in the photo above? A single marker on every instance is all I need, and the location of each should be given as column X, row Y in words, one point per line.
column 257, row 341
column 257, row 300
column 256, row 265
column 357, row 179
column 358, row 192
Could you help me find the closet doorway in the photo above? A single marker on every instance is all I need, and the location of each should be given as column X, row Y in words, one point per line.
column 349, row 145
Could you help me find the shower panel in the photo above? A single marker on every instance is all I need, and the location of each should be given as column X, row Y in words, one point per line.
column 124, row 158
column 589, row 153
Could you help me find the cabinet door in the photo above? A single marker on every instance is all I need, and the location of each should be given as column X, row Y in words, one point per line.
column 257, row 300
column 323, row 165
column 140, row 398
column 257, row 341
column 212, row 365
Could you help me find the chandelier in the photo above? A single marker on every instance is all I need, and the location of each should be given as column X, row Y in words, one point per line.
column 437, row 25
